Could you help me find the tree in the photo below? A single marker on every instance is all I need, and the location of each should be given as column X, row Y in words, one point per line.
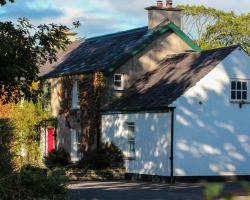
column 196, row 19
column 230, row 29
column 23, row 49
column 212, row 28
column 3, row 2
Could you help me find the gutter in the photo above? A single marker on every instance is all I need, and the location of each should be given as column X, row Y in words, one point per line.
column 134, row 110
column 172, row 178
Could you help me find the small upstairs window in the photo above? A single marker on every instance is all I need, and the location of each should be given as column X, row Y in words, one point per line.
column 239, row 90
column 119, row 81
column 75, row 95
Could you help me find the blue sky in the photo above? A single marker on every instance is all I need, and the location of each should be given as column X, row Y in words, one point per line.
column 101, row 16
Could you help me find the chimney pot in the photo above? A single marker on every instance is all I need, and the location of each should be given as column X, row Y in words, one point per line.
column 169, row 4
column 160, row 4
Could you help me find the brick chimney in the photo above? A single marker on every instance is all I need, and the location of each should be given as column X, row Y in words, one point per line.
column 157, row 14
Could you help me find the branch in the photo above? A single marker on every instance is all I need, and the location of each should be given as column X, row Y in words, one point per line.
column 3, row 2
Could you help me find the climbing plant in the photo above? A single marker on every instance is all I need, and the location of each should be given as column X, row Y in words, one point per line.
column 67, row 85
column 91, row 89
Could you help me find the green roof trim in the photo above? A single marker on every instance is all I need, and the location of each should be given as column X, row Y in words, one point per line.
column 185, row 38
column 155, row 35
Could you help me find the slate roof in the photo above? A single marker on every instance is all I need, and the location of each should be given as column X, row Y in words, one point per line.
column 158, row 89
column 105, row 53
column 94, row 53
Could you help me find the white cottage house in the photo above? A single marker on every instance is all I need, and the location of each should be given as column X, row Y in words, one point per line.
column 174, row 110
column 188, row 118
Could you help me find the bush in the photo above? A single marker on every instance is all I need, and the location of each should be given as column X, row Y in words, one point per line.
column 109, row 156
column 34, row 183
column 57, row 158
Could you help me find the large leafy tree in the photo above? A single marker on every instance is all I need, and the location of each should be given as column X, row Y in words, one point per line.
column 196, row 19
column 212, row 28
column 228, row 30
column 23, row 49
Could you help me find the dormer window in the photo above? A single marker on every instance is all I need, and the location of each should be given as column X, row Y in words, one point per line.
column 75, row 95
column 239, row 90
column 119, row 81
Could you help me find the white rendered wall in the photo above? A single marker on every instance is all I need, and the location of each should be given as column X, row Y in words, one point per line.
column 151, row 140
column 212, row 135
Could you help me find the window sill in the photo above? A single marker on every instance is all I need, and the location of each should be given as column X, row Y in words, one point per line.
column 75, row 108
column 118, row 89
column 130, row 158
column 239, row 102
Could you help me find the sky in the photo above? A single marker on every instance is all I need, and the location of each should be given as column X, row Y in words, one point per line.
column 100, row 17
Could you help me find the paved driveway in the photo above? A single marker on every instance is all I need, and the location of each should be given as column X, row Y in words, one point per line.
column 130, row 190
column 125, row 190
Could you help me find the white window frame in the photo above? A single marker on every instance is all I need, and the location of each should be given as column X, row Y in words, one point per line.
column 131, row 152
column 75, row 95
column 235, row 90
column 120, row 88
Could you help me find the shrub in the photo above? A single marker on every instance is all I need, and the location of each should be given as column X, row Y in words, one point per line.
column 109, row 156
column 22, row 121
column 57, row 158
column 34, row 183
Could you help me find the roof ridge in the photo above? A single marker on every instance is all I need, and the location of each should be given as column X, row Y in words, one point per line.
column 117, row 33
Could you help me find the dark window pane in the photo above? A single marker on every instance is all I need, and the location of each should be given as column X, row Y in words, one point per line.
column 118, row 83
column 239, row 95
column 118, row 77
column 233, row 95
column 238, row 85
column 131, row 146
column 244, row 85
column 233, row 85
column 244, row 95
column 131, row 131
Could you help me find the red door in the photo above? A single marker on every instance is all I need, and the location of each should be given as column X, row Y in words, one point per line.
column 50, row 140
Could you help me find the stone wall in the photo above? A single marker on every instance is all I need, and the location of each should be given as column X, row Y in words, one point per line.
column 146, row 61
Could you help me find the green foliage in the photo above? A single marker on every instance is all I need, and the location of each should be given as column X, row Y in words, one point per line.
column 196, row 19
column 57, row 158
column 23, row 132
column 246, row 186
column 19, row 132
column 34, row 183
column 213, row 28
column 213, row 190
column 25, row 143
column 3, row 2
column 5, row 136
column 24, row 48
column 109, row 156
column 228, row 30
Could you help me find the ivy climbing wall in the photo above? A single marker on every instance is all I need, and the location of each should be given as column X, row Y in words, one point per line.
column 86, row 119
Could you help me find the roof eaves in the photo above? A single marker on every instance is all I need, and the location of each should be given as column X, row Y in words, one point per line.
column 137, row 109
